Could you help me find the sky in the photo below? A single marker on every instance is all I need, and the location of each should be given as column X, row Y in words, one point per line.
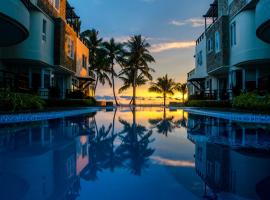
column 170, row 26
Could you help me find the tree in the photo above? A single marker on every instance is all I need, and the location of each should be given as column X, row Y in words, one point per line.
column 136, row 62
column 183, row 89
column 115, row 54
column 165, row 86
column 99, row 64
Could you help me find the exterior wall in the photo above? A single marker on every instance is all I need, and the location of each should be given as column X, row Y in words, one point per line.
column 62, row 32
column 82, row 50
column 200, row 70
column 14, row 16
column 50, row 10
column 221, row 58
column 235, row 6
column 34, row 48
column 248, row 47
column 263, row 20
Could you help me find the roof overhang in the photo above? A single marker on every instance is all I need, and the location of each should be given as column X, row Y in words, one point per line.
column 219, row 70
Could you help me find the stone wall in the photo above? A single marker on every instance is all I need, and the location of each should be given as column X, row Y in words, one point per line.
column 236, row 6
column 216, row 60
column 62, row 32
column 51, row 11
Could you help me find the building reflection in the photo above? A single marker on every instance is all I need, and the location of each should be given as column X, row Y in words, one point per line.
column 229, row 171
column 44, row 161
column 229, row 133
column 48, row 160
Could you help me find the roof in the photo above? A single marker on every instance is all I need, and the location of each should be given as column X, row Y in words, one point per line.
column 213, row 10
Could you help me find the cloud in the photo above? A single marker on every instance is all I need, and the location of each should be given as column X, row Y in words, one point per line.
column 194, row 22
column 156, row 48
column 172, row 163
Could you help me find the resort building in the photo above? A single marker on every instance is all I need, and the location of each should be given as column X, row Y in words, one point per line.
column 232, row 55
column 40, row 48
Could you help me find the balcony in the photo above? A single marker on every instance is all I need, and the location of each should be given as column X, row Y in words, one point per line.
column 14, row 22
column 263, row 20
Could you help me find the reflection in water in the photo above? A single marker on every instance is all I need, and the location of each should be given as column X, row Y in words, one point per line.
column 59, row 159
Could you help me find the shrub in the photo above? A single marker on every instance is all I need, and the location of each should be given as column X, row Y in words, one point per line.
column 208, row 103
column 90, row 101
column 252, row 101
column 78, row 94
column 11, row 101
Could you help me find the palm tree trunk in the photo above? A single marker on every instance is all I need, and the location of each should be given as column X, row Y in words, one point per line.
column 134, row 87
column 96, row 86
column 183, row 98
column 113, row 85
column 164, row 100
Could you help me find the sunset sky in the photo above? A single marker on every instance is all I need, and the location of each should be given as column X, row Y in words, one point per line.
column 170, row 26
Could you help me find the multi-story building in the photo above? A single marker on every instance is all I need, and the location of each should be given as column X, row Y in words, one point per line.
column 43, row 52
column 233, row 50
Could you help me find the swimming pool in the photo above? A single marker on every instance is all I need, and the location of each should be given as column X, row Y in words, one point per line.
column 150, row 153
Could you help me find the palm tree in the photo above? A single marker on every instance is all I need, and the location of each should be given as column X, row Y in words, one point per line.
column 183, row 89
column 136, row 63
column 164, row 125
column 128, row 81
column 165, row 86
column 115, row 54
column 99, row 64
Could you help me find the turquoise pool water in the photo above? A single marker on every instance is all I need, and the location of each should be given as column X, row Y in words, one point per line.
column 150, row 153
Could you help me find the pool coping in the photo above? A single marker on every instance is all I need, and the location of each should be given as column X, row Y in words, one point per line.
column 233, row 116
column 40, row 116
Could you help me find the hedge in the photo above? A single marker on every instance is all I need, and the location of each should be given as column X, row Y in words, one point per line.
column 71, row 102
column 11, row 101
column 208, row 103
column 251, row 101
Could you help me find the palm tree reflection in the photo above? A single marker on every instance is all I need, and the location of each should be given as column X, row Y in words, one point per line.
column 134, row 149
column 163, row 125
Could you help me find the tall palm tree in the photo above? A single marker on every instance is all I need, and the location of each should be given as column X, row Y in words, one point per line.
column 182, row 88
column 165, row 86
column 99, row 64
column 115, row 55
column 127, row 79
column 137, row 59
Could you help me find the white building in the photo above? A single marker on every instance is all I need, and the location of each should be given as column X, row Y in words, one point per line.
column 235, row 49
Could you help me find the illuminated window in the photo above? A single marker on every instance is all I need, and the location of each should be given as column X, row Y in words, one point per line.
column 44, row 30
column 70, row 46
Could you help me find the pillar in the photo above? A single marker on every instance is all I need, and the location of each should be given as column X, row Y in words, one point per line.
column 30, row 75
column 244, row 79
column 42, row 74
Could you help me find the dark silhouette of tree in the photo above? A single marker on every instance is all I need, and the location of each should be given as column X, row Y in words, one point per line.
column 134, row 149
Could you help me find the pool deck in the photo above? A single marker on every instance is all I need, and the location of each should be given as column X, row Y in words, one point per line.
column 231, row 115
column 30, row 117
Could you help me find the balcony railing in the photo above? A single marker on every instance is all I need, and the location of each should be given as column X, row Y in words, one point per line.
column 211, row 95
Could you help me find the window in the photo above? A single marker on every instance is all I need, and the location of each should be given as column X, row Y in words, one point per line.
column 44, row 30
column 209, row 45
column 55, row 4
column 84, row 61
column 70, row 44
column 233, row 34
column 199, row 58
column 217, row 42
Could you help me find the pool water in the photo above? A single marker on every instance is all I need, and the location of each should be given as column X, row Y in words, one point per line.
column 150, row 153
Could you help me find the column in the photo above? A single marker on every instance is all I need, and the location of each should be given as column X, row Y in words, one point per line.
column 42, row 78
column 244, row 79
column 30, row 78
column 51, row 76
column 257, row 78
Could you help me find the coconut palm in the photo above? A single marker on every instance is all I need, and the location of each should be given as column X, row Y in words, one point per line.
column 182, row 88
column 163, row 125
column 136, row 63
column 99, row 64
column 165, row 86
column 115, row 55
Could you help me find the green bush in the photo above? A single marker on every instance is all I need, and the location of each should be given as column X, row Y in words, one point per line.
column 90, row 101
column 11, row 101
column 208, row 103
column 251, row 101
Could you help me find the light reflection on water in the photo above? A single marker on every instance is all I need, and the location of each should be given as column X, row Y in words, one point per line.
column 150, row 153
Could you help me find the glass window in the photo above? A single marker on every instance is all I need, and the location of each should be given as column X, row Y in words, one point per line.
column 70, row 46
column 44, row 30
column 233, row 34
column 217, row 42
column 199, row 58
column 209, row 45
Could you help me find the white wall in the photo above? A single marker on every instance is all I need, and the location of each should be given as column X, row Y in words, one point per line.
column 34, row 48
column 262, row 12
column 248, row 47
column 200, row 70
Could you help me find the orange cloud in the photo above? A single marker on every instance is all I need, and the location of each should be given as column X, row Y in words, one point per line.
column 156, row 48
